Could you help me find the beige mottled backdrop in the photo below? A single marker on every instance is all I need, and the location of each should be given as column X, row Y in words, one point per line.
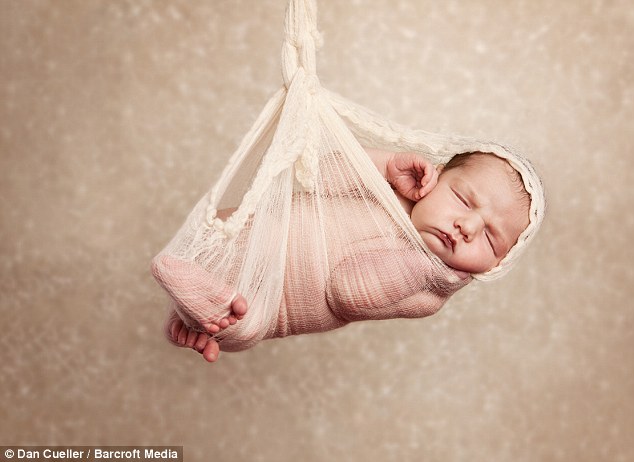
column 116, row 116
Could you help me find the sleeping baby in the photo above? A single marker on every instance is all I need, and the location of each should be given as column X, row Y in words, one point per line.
column 469, row 213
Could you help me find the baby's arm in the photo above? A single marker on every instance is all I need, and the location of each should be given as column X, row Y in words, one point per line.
column 410, row 174
column 386, row 283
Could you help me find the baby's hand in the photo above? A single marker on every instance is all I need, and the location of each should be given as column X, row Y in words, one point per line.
column 411, row 175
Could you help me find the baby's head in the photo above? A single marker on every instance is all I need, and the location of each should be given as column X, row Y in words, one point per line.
column 478, row 213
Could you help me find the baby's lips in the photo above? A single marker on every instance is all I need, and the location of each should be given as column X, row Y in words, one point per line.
column 446, row 239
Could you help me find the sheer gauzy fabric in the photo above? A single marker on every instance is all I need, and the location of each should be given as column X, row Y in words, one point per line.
column 317, row 238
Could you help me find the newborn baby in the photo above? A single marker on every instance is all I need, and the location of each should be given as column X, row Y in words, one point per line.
column 469, row 213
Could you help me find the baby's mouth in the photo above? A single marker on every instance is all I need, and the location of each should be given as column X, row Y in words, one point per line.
column 447, row 239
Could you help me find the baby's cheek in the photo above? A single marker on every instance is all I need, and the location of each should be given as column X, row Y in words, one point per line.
column 436, row 246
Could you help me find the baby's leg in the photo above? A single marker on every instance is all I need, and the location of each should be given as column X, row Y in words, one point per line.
column 177, row 333
column 201, row 302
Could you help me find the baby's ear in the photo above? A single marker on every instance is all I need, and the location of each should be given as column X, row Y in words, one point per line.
column 440, row 168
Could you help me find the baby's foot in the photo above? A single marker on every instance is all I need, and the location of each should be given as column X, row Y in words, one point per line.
column 211, row 305
column 180, row 335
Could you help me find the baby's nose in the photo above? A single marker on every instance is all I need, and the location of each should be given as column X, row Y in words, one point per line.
column 470, row 225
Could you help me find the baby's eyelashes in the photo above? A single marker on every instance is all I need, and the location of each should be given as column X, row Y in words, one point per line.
column 488, row 237
column 461, row 198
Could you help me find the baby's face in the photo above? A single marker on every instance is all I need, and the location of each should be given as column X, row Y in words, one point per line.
column 473, row 216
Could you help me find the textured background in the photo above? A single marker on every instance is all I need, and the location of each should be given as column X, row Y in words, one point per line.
column 116, row 116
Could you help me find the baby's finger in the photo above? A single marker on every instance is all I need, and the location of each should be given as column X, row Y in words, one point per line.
column 409, row 190
column 429, row 184
column 427, row 170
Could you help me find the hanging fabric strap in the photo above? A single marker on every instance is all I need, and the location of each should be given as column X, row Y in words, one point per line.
column 289, row 145
column 301, row 39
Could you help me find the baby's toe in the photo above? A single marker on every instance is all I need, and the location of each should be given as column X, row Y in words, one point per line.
column 175, row 328
column 212, row 328
column 201, row 342
column 211, row 351
column 192, row 337
column 239, row 306
column 182, row 335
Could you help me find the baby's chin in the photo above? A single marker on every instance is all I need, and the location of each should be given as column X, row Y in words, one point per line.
column 432, row 244
column 461, row 274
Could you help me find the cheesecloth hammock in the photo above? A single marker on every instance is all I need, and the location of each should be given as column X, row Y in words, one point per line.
column 316, row 237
